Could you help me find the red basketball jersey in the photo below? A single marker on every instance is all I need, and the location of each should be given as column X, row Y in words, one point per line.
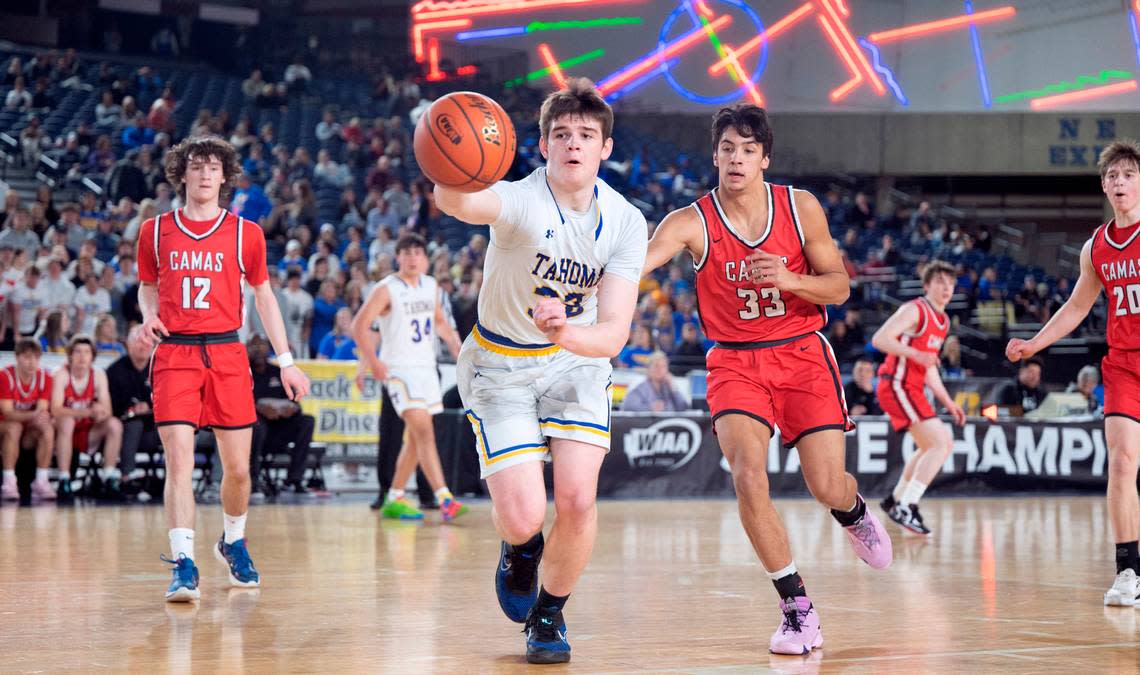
column 929, row 336
column 1116, row 259
column 78, row 400
column 24, row 396
column 199, row 267
column 732, row 308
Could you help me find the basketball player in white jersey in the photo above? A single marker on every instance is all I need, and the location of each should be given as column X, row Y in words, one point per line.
column 534, row 374
column 410, row 313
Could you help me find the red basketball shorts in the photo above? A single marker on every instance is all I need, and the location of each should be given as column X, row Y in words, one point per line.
column 904, row 405
column 80, row 434
column 794, row 386
column 1121, row 372
column 203, row 386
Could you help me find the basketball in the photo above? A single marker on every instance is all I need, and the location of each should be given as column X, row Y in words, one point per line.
column 465, row 142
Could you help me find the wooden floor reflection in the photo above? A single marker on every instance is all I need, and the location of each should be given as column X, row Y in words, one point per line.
column 1007, row 584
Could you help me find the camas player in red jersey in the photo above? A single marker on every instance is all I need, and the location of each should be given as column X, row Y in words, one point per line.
column 1111, row 260
column 765, row 267
column 192, row 263
column 912, row 339
column 25, row 399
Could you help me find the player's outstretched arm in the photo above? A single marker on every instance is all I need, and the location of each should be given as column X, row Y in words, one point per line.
column 378, row 302
column 617, row 299
column 904, row 320
column 295, row 383
column 1071, row 314
column 680, row 230
column 828, row 284
column 475, row 208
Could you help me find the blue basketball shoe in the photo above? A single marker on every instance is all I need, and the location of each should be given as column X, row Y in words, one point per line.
column 184, row 586
column 546, row 638
column 236, row 558
column 516, row 581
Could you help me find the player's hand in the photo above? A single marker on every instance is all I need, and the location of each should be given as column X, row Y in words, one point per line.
column 379, row 371
column 1019, row 349
column 295, row 383
column 153, row 330
column 42, row 418
column 925, row 359
column 141, row 408
column 957, row 413
column 550, row 318
column 98, row 414
column 765, row 268
column 361, row 371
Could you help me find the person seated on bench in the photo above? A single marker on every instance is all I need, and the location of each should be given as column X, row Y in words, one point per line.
column 25, row 422
column 128, row 378
column 279, row 420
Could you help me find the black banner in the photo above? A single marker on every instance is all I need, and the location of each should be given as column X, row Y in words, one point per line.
column 675, row 456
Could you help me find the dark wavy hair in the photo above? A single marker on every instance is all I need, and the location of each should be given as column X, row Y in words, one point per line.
column 204, row 147
column 749, row 121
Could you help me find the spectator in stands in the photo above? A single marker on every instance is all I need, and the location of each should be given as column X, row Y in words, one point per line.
column 690, row 353
column 33, row 141
column 101, row 158
column 380, row 175
column 983, row 240
column 106, row 240
column 160, row 117
column 636, row 353
column 297, row 312
column 242, row 137
column 147, row 210
column 1026, row 302
column 250, row 201
column 15, row 71
column 656, row 393
column 341, row 333
column 46, row 199
column 25, row 419
column 923, row 215
column 107, row 336
column 164, row 43
column 81, row 408
column 325, row 307
column 988, row 286
column 28, row 303
column 19, row 98
column 862, row 211
column 58, row 291
column 255, row 165
column 952, row 359
column 128, row 378
column 90, row 301
column 279, row 420
column 1025, row 393
column 860, row 391
column 328, row 128
column 297, row 76
column 888, row 254
column 55, row 331
column 251, row 86
column 164, row 198
column 1086, row 385
column 137, row 134
column 17, row 233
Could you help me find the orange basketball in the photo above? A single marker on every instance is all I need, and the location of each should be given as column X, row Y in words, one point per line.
column 465, row 142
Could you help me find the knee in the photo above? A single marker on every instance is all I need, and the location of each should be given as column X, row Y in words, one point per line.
column 575, row 504
column 829, row 490
column 114, row 427
column 520, row 520
column 749, row 478
column 1122, row 463
column 12, row 433
column 65, row 425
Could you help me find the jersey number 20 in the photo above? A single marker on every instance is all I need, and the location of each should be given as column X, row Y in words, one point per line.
column 1127, row 299
column 752, row 302
column 199, row 301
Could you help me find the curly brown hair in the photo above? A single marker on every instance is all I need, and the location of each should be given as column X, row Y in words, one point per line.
column 178, row 158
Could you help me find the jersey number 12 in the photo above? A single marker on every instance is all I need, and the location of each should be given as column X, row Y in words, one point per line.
column 199, row 301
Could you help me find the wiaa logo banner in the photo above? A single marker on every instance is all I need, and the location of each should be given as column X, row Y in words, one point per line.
column 664, row 446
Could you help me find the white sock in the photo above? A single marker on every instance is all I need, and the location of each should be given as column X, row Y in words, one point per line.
column 394, row 494
column 113, row 474
column 234, row 527
column 442, row 494
column 41, row 475
column 913, row 492
column 900, row 488
column 182, row 542
column 10, row 475
column 64, row 476
column 780, row 574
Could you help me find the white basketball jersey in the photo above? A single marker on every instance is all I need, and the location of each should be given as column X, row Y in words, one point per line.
column 539, row 249
column 407, row 331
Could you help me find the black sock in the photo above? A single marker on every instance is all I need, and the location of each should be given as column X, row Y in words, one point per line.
column 790, row 586
column 849, row 518
column 889, row 502
column 1127, row 556
column 549, row 604
column 530, row 547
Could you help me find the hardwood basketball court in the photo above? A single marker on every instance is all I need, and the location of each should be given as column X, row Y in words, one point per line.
column 1010, row 585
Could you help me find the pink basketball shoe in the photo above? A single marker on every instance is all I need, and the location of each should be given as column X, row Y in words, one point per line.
column 870, row 540
column 799, row 631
